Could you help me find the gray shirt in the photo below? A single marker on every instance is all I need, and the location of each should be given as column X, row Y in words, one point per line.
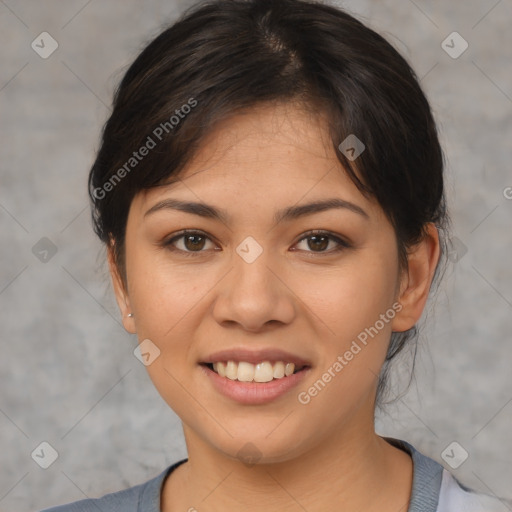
column 433, row 490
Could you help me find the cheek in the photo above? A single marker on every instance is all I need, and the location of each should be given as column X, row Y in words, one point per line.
column 167, row 304
column 350, row 298
column 354, row 308
column 163, row 294
column 171, row 303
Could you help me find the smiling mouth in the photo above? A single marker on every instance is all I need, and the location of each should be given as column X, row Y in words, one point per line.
column 243, row 371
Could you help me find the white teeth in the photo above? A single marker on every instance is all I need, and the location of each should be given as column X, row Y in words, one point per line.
column 263, row 372
column 231, row 370
column 279, row 370
column 220, row 369
column 245, row 372
column 248, row 372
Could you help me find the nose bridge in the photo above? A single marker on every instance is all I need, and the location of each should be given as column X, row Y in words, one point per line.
column 252, row 279
column 253, row 294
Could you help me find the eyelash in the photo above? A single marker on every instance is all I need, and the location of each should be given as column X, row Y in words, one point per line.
column 342, row 244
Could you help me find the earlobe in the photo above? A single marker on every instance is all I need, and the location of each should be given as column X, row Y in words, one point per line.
column 121, row 293
column 416, row 281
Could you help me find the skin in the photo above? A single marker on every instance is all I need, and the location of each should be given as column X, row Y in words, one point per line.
column 298, row 296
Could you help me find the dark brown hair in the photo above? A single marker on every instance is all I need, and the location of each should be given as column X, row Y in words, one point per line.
column 223, row 56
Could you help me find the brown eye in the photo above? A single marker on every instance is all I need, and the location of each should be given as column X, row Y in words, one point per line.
column 193, row 242
column 318, row 242
column 187, row 242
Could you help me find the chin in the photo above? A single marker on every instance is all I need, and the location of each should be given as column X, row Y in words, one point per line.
column 258, row 447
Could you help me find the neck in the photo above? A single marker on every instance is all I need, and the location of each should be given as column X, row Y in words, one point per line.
column 367, row 473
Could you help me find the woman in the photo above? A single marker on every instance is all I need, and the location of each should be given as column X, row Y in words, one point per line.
column 270, row 191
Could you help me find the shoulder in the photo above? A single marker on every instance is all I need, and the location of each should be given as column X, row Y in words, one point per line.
column 435, row 489
column 454, row 496
column 143, row 497
column 126, row 500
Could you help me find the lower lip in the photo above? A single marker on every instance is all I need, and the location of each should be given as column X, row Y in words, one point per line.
column 254, row 393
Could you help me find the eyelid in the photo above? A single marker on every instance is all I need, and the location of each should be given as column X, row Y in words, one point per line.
column 167, row 243
column 342, row 243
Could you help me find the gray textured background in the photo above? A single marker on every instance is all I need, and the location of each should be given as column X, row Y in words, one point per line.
column 67, row 372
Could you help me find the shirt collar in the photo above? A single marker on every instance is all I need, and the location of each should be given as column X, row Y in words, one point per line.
column 426, row 485
column 427, row 478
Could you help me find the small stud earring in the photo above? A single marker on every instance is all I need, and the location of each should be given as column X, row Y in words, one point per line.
column 130, row 315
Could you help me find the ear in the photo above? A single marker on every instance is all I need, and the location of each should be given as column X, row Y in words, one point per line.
column 121, row 293
column 416, row 280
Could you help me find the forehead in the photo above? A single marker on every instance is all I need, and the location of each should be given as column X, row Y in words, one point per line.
column 284, row 130
column 281, row 151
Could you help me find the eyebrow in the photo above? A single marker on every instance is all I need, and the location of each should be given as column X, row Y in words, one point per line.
column 286, row 214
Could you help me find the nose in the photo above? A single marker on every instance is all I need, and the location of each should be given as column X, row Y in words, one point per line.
column 254, row 295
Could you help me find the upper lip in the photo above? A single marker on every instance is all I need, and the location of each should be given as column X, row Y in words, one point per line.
column 255, row 356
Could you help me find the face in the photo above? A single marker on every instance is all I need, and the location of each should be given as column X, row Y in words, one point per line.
column 266, row 279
